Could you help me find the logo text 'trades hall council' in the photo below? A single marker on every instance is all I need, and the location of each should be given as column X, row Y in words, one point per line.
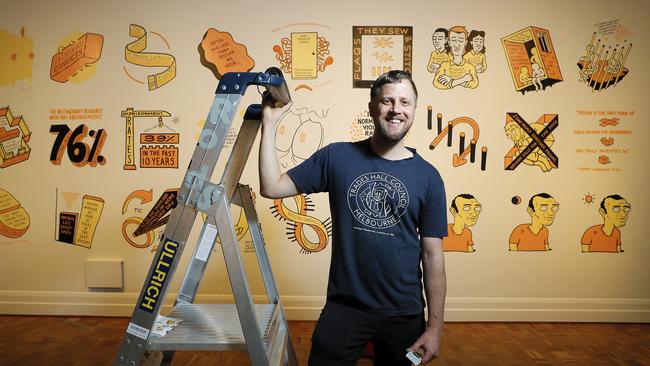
column 377, row 200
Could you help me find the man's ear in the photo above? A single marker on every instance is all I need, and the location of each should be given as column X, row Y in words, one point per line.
column 530, row 211
column 602, row 212
column 453, row 211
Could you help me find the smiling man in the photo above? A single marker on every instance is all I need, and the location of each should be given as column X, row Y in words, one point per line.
column 388, row 218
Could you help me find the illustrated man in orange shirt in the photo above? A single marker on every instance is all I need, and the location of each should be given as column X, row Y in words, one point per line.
column 542, row 209
column 465, row 209
column 615, row 211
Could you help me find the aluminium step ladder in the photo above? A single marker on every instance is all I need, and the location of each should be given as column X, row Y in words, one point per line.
column 261, row 329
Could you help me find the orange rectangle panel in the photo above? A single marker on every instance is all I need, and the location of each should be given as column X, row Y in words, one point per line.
column 159, row 138
column 159, row 157
column 74, row 57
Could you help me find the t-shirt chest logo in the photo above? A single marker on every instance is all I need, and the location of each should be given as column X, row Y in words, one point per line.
column 377, row 200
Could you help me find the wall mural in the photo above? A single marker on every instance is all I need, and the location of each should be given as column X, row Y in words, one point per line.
column 602, row 66
column 299, row 134
column 602, row 140
column 465, row 210
column 221, row 54
column 466, row 149
column 303, row 55
column 82, row 143
column 14, row 138
column 532, row 59
column 378, row 49
column 77, row 217
column 16, row 57
column 138, row 53
column 457, row 58
column 534, row 236
column 531, row 142
column 362, row 126
column 606, row 237
column 158, row 140
column 76, row 57
column 14, row 220
column 150, row 226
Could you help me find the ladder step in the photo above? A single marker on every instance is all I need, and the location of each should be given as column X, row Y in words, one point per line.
column 216, row 327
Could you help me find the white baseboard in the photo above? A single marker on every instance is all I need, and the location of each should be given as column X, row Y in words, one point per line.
column 308, row 307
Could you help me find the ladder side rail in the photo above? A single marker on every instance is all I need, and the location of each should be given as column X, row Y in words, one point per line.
column 232, row 173
column 156, row 284
column 177, row 231
column 241, row 150
column 257, row 349
column 208, row 149
column 192, row 194
column 272, row 293
column 254, row 227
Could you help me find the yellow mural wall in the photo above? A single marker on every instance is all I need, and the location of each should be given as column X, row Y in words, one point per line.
column 101, row 105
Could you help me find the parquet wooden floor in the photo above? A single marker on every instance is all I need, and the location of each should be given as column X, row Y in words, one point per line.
column 49, row 340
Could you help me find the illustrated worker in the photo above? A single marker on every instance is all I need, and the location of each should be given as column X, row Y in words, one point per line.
column 441, row 50
column 465, row 209
column 388, row 216
column 457, row 71
column 542, row 209
column 615, row 211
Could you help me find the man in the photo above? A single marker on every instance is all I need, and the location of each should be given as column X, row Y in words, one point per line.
column 388, row 216
column 542, row 209
column 456, row 72
column 465, row 209
column 615, row 211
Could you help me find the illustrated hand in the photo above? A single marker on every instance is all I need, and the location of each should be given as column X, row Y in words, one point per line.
column 445, row 80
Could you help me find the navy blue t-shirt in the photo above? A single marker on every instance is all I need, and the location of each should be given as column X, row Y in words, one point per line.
column 379, row 210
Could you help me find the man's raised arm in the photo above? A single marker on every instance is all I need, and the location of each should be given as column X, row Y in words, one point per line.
column 273, row 183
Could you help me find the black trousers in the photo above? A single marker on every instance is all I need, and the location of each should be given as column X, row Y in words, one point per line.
column 342, row 333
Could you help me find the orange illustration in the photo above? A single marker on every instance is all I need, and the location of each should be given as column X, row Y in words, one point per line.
column 465, row 209
column 14, row 220
column 608, row 122
column 16, row 57
column 534, row 236
column 607, row 141
column 74, row 57
column 606, row 237
column 14, row 136
column 221, row 54
column 465, row 150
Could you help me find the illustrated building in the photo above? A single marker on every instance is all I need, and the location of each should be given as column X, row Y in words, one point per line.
column 529, row 47
column 14, row 136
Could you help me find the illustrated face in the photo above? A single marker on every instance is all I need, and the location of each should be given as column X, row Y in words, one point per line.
column 477, row 43
column 513, row 131
column 393, row 110
column 439, row 41
column 468, row 211
column 457, row 41
column 545, row 210
column 618, row 211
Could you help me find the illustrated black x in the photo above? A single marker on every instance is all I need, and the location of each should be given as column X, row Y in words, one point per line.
column 538, row 140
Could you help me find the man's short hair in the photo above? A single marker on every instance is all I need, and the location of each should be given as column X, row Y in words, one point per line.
column 612, row 196
column 542, row 195
column 459, row 29
column 466, row 196
column 391, row 77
